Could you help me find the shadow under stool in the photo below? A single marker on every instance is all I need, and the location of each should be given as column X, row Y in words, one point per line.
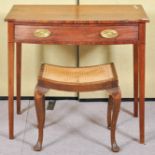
column 99, row 77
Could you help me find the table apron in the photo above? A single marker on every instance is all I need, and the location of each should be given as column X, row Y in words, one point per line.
column 75, row 34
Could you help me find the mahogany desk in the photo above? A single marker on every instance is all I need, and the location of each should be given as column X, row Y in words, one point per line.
column 77, row 25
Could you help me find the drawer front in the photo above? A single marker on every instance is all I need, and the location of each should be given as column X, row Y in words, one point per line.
column 76, row 34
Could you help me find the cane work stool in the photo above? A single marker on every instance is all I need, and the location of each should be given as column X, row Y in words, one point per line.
column 100, row 77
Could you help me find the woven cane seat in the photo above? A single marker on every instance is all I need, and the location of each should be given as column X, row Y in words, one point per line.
column 78, row 79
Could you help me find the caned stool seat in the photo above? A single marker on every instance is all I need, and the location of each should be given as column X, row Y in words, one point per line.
column 78, row 79
column 99, row 77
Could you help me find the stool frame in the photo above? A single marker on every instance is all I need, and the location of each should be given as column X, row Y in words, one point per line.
column 113, row 107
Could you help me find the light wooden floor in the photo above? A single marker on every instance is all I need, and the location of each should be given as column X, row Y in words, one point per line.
column 75, row 128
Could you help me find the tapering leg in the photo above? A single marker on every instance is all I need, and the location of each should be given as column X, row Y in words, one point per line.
column 109, row 112
column 11, row 78
column 142, row 83
column 142, row 95
column 135, row 58
column 40, row 111
column 116, row 100
column 18, row 76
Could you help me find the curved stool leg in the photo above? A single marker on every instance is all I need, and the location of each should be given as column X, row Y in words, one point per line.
column 109, row 112
column 40, row 110
column 115, row 101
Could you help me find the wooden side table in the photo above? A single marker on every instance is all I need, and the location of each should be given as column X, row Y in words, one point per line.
column 77, row 25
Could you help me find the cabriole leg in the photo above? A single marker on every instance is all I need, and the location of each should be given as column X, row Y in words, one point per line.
column 40, row 111
column 109, row 112
column 115, row 101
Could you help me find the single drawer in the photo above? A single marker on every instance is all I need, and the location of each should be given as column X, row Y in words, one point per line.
column 76, row 34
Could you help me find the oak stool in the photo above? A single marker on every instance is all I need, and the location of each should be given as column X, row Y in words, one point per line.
column 99, row 77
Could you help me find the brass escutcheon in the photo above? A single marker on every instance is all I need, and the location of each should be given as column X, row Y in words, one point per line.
column 42, row 33
column 109, row 33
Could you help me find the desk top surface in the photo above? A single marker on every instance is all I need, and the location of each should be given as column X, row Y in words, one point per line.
column 77, row 14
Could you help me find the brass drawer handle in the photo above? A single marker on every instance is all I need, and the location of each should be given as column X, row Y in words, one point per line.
column 42, row 33
column 109, row 33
